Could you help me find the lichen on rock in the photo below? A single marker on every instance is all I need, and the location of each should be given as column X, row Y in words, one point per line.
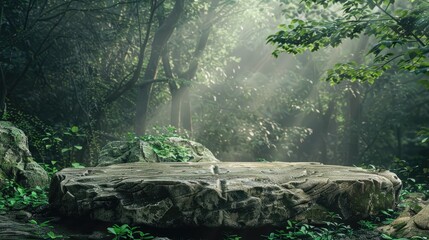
column 413, row 219
column 16, row 162
column 141, row 151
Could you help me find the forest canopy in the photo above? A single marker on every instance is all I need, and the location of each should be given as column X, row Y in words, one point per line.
column 399, row 35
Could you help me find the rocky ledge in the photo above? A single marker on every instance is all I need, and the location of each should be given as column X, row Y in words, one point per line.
column 223, row 194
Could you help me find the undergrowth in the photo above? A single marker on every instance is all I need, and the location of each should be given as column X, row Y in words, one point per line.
column 16, row 197
column 164, row 147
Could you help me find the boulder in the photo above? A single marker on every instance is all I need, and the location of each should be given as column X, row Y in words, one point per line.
column 224, row 194
column 422, row 219
column 16, row 162
column 140, row 151
column 413, row 220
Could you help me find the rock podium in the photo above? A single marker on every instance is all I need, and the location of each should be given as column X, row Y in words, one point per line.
column 225, row 194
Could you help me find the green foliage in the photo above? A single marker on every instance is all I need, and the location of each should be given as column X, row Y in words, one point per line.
column 388, row 216
column 65, row 144
column 294, row 230
column 50, row 168
column 34, row 129
column 77, row 165
column 14, row 196
column 410, row 186
column 232, row 237
column 166, row 149
column 368, row 225
column 126, row 232
column 352, row 72
column 414, row 177
column 53, row 235
column 400, row 32
column 253, row 116
column 42, row 230
column 53, row 148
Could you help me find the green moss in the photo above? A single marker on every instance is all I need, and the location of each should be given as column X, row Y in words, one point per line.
column 398, row 226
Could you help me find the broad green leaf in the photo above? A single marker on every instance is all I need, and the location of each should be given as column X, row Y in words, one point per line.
column 74, row 129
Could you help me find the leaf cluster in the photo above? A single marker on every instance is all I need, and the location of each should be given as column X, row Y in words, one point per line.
column 399, row 29
column 353, row 72
column 46, row 234
column 126, row 232
column 298, row 230
column 14, row 197
column 165, row 148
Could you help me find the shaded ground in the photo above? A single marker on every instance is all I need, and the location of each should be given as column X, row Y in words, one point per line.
column 83, row 229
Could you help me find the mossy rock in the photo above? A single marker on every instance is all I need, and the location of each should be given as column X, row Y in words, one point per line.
column 413, row 220
column 16, row 163
column 140, row 151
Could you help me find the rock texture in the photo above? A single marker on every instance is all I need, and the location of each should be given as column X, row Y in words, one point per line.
column 13, row 230
column 140, row 151
column 16, row 162
column 413, row 220
column 223, row 194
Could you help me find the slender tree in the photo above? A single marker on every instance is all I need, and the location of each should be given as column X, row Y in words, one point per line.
column 159, row 41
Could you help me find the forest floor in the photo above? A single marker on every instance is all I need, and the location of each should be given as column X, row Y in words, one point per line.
column 25, row 214
column 54, row 227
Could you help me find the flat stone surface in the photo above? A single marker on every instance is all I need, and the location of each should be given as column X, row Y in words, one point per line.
column 225, row 194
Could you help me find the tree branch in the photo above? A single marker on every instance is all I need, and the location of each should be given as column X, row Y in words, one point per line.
column 399, row 23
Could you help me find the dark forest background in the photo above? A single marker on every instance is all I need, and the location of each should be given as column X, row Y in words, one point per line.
column 77, row 74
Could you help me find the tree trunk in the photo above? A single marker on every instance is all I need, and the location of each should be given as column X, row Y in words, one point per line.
column 136, row 74
column 354, row 120
column 354, row 114
column 185, row 111
column 399, row 141
column 159, row 41
column 174, row 90
column 99, row 112
column 326, row 120
column 176, row 102
column 3, row 93
column 185, row 104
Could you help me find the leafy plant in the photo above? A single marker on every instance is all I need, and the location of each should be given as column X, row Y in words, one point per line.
column 64, row 144
column 401, row 29
column 294, row 230
column 44, row 234
column 368, row 225
column 14, row 196
column 52, row 235
column 42, row 224
column 50, row 168
column 164, row 148
column 126, row 232
column 232, row 237
column 411, row 184
column 388, row 216
column 77, row 165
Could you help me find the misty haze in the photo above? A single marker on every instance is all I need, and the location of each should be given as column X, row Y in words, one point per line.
column 214, row 119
